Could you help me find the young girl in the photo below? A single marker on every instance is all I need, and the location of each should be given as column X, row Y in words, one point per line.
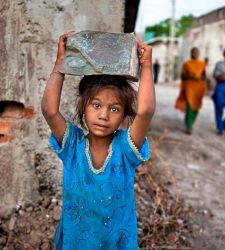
column 99, row 166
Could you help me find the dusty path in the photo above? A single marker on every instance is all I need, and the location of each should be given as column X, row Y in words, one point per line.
column 198, row 164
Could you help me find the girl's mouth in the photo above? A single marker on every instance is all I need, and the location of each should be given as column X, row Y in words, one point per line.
column 101, row 126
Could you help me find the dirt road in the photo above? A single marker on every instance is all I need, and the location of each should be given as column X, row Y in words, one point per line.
column 198, row 163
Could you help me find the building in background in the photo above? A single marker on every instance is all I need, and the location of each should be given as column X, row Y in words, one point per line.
column 166, row 50
column 207, row 33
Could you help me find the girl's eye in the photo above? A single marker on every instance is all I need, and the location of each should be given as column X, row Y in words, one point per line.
column 96, row 105
column 114, row 110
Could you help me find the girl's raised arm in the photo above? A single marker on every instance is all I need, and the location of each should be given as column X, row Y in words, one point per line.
column 52, row 94
column 145, row 97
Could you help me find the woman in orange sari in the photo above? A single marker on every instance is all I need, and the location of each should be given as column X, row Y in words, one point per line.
column 193, row 89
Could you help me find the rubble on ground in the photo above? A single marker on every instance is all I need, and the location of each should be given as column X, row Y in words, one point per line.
column 31, row 227
column 163, row 218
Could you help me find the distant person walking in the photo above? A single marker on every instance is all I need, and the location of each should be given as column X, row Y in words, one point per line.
column 219, row 95
column 193, row 88
column 156, row 69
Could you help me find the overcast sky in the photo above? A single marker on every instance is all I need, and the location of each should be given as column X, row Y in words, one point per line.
column 153, row 11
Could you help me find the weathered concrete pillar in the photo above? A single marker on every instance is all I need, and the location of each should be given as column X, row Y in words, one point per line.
column 28, row 41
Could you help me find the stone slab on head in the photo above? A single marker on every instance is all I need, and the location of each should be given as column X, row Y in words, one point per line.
column 97, row 53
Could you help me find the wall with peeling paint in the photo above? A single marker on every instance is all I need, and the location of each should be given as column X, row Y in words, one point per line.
column 28, row 43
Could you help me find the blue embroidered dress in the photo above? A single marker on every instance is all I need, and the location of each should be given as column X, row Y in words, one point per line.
column 98, row 204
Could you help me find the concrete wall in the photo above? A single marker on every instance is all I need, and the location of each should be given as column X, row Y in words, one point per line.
column 160, row 53
column 166, row 53
column 211, row 17
column 29, row 32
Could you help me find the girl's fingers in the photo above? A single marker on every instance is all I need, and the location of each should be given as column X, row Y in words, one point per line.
column 140, row 52
column 144, row 52
column 62, row 44
column 64, row 36
column 141, row 45
column 71, row 33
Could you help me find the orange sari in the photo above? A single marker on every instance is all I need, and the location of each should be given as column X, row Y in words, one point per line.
column 192, row 91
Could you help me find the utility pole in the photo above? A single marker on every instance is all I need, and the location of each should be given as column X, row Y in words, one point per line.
column 172, row 23
column 171, row 42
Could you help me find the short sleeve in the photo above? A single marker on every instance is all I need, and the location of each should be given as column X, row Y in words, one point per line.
column 134, row 156
column 219, row 70
column 68, row 142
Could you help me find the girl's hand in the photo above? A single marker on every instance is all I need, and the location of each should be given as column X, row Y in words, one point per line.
column 144, row 54
column 62, row 45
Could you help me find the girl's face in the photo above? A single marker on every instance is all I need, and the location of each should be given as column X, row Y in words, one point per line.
column 104, row 113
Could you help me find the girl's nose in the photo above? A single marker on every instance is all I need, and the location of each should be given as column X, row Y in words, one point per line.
column 104, row 114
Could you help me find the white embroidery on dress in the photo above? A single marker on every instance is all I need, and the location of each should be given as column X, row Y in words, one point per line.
column 65, row 136
column 100, row 170
column 134, row 147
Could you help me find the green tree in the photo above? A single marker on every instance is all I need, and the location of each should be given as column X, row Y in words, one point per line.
column 184, row 24
column 160, row 29
column 163, row 28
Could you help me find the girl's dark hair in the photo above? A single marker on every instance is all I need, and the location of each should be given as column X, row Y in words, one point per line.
column 89, row 86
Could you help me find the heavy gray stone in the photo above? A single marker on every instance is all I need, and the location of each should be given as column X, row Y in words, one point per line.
column 96, row 52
